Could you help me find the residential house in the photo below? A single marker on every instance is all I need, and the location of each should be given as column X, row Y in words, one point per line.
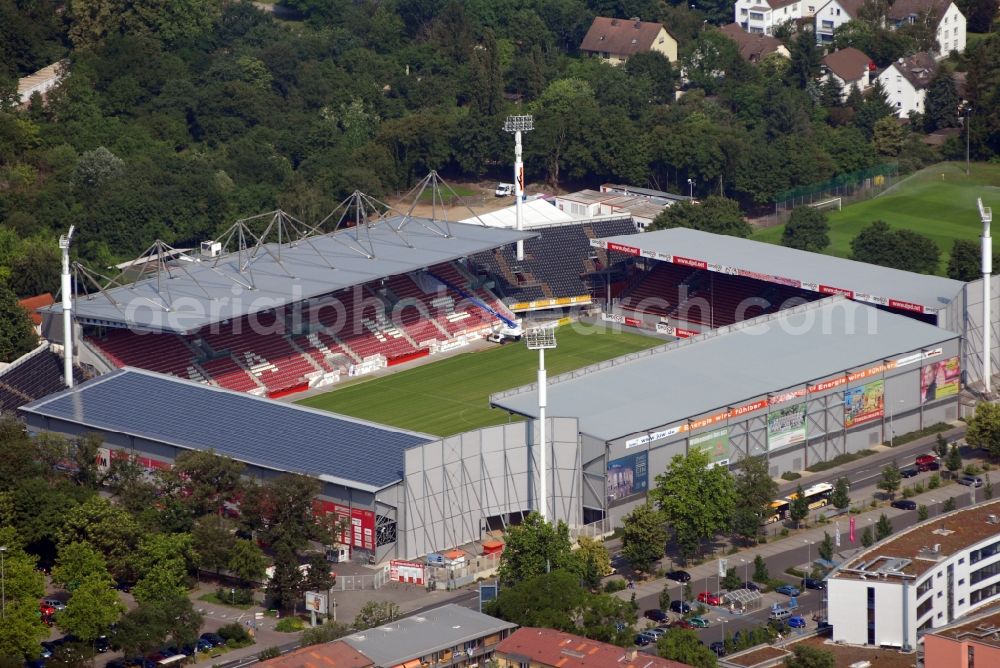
column 948, row 21
column 834, row 14
column 763, row 16
column 530, row 647
column 906, row 80
column 754, row 47
column 848, row 68
column 326, row 655
column 41, row 82
column 616, row 40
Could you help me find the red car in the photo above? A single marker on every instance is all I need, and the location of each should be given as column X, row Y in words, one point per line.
column 709, row 598
column 927, row 463
column 682, row 624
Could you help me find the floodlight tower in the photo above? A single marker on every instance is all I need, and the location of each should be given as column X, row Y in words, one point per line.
column 986, row 215
column 67, row 307
column 517, row 125
column 541, row 338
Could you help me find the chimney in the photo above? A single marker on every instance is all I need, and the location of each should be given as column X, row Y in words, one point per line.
column 614, row 22
column 937, row 547
column 631, row 654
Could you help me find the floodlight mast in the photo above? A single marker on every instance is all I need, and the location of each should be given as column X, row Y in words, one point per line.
column 517, row 125
column 540, row 338
column 67, row 307
column 986, row 215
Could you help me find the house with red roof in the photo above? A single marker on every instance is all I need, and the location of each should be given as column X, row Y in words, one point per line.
column 616, row 40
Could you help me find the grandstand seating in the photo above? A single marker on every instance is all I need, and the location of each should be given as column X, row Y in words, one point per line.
column 556, row 264
column 257, row 353
column 32, row 376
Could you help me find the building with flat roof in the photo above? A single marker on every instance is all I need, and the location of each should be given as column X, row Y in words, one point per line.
column 549, row 648
column 921, row 579
column 966, row 644
column 800, row 386
column 447, row 636
column 325, row 655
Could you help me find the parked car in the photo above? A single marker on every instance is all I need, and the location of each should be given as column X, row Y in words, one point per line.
column 718, row 647
column 45, row 652
column 909, row 472
column 904, row 504
column 203, row 645
column 683, row 624
column 34, row 663
column 214, row 638
column 788, row 590
column 679, row 576
column 102, row 644
column 752, row 586
column 927, row 463
column 656, row 615
column 54, row 603
column 504, row 189
column 644, row 639
column 709, row 598
column 970, row 481
column 812, row 583
column 699, row 622
column 657, row 631
column 680, row 607
column 797, row 622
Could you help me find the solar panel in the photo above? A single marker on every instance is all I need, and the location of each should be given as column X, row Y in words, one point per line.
column 250, row 429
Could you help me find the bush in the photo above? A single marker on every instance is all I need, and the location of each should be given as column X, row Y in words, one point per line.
column 235, row 635
column 268, row 653
column 611, row 586
column 971, row 469
column 234, row 596
column 839, row 460
column 918, row 488
column 908, row 492
column 289, row 625
column 922, row 513
column 324, row 633
column 784, row 532
column 790, row 475
column 926, row 431
column 934, row 482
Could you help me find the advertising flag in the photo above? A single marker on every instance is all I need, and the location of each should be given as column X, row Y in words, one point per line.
column 852, row 530
column 836, row 535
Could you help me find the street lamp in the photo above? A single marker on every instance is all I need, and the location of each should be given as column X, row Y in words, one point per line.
column 968, row 132
column 723, row 620
column 746, row 570
column 691, row 189
column 892, row 430
column 3, row 584
column 809, row 547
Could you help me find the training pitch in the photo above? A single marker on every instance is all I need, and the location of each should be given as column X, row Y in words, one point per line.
column 938, row 202
column 452, row 396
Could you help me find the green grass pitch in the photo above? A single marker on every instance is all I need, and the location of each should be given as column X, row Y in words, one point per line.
column 938, row 202
column 452, row 396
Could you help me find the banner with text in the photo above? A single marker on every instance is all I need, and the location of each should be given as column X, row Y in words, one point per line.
column 786, row 426
column 864, row 403
column 628, row 476
column 939, row 380
column 715, row 443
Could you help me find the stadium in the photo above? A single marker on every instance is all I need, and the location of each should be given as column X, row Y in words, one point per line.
column 820, row 357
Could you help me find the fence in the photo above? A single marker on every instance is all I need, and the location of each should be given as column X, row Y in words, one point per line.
column 851, row 187
column 448, row 577
column 359, row 582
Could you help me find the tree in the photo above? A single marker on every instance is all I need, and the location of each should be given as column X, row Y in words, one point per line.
column 965, row 261
column 841, row 498
column 883, row 528
column 900, row 249
column 247, row 562
column 826, row 548
column 317, row 577
column 760, row 573
column 718, row 215
column 213, row 541
column 983, row 431
column 948, row 505
column 152, row 625
column 891, row 479
column 595, row 561
column 664, row 598
column 92, row 609
column 376, row 613
column 808, row 656
column 76, row 562
column 874, row 107
column 204, row 480
column 108, row 528
column 285, row 586
column 805, row 60
column 807, row 229
column 940, row 446
column 653, row 69
column 708, row 59
column 888, row 136
column 696, row 500
column 867, row 539
column 981, row 14
column 798, row 509
column 941, row 101
column 281, row 510
column 535, row 547
column 954, row 460
column 327, row 632
column 17, row 334
column 683, row 645
column 643, row 537
column 731, row 581
column 22, row 629
column 94, row 169
column 565, row 117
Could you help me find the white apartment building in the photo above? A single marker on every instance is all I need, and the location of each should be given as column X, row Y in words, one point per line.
column 763, row 16
column 948, row 20
column 832, row 15
column 906, row 80
column 923, row 578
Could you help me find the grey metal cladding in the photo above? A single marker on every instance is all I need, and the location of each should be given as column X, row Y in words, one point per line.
column 263, row 432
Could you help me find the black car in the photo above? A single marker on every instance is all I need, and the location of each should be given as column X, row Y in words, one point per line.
column 680, row 607
column 904, row 504
column 679, row 576
column 214, row 638
column 642, row 640
column 813, row 583
column 718, row 647
column 656, row 615
column 909, row 472
column 752, row 586
column 102, row 644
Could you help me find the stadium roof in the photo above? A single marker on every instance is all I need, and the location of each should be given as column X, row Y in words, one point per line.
column 421, row 635
column 274, row 435
column 200, row 291
column 787, row 266
column 537, row 213
column 726, row 367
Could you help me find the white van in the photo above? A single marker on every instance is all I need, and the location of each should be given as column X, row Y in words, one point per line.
column 779, row 615
column 504, row 189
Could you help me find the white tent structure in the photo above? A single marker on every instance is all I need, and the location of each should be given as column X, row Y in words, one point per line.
column 536, row 212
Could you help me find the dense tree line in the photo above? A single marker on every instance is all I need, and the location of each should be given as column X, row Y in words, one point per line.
column 176, row 118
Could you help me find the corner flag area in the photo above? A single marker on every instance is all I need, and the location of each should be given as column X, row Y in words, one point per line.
column 452, row 396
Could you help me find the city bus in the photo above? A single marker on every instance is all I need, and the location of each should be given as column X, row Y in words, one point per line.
column 817, row 496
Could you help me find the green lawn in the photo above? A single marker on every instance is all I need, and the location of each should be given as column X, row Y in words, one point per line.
column 447, row 193
column 939, row 202
column 452, row 396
